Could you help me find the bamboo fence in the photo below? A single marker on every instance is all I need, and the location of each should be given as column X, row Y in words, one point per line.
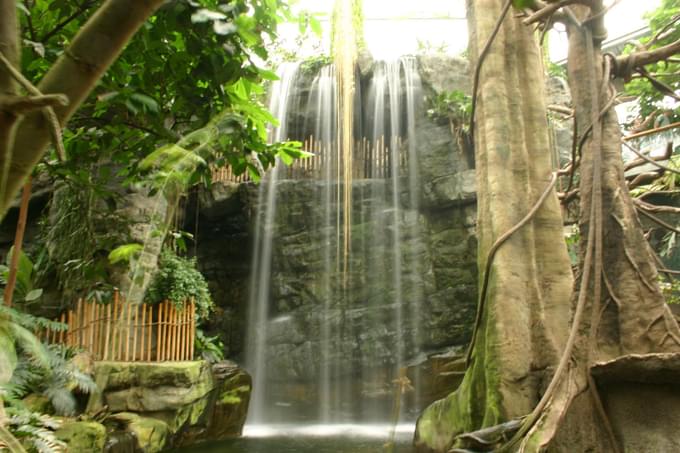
column 128, row 332
column 371, row 159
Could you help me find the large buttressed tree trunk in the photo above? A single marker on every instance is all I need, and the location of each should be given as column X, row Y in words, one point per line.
column 619, row 390
column 524, row 320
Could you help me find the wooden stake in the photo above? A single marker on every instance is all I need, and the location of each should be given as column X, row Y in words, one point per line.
column 192, row 337
column 159, row 336
column 91, row 326
column 107, row 336
column 135, row 326
column 143, row 339
column 128, row 306
column 149, row 332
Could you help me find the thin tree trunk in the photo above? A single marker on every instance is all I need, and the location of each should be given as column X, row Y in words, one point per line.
column 18, row 243
column 94, row 49
column 525, row 317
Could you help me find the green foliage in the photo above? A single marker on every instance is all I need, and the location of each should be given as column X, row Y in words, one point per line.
column 191, row 65
column 314, row 64
column 572, row 241
column 84, row 227
column 25, row 290
column 56, row 379
column 522, row 4
column 453, row 105
column 178, row 281
column 36, row 432
column 428, row 47
column 210, row 348
column 556, row 70
column 663, row 23
column 124, row 253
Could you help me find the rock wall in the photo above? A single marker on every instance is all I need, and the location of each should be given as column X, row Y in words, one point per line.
column 445, row 281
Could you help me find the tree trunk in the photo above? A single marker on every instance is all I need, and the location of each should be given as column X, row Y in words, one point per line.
column 9, row 47
column 94, row 48
column 526, row 314
column 18, row 243
column 616, row 381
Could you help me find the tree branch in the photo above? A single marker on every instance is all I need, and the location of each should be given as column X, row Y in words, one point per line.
column 626, row 64
column 94, row 49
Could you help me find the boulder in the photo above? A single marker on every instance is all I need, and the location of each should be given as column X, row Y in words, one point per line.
column 81, row 436
column 151, row 435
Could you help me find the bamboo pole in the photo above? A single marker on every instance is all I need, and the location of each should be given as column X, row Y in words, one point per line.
column 114, row 326
column 143, row 340
column 93, row 324
column 192, row 337
column 149, row 331
column 107, row 336
column 178, row 329
column 118, row 319
column 128, row 307
column 170, row 331
column 134, row 333
column 62, row 319
column 175, row 332
column 159, row 339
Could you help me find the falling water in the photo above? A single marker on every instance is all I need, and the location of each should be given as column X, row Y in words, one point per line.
column 388, row 253
column 258, row 303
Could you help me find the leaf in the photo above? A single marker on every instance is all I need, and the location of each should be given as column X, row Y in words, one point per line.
column 33, row 295
column 124, row 253
column 315, row 25
column 205, row 15
column 224, row 28
column 147, row 101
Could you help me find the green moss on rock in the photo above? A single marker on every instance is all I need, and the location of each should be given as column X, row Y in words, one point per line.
column 82, row 436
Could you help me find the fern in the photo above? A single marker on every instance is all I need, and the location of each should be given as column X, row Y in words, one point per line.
column 35, row 431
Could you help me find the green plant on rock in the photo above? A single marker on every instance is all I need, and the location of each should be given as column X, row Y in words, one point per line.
column 57, row 381
column 178, row 281
column 34, row 431
column 454, row 107
column 210, row 348
column 314, row 64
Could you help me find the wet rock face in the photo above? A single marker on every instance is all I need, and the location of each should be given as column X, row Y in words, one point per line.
column 309, row 297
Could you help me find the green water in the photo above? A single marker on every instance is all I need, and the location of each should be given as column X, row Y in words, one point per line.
column 297, row 445
column 311, row 439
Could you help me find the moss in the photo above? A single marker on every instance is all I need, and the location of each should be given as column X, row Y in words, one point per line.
column 82, row 436
column 152, row 434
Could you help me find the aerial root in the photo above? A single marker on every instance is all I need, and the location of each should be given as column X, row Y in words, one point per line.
column 599, row 407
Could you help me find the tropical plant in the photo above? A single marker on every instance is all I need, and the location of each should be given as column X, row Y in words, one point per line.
column 25, row 290
column 178, row 281
column 34, row 431
column 57, row 381
column 210, row 348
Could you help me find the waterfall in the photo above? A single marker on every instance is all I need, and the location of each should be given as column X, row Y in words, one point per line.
column 364, row 328
column 259, row 290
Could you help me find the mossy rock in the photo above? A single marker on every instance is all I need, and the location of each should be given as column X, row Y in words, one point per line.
column 152, row 434
column 81, row 436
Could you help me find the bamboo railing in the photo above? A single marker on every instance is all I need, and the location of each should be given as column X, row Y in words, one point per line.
column 371, row 159
column 128, row 332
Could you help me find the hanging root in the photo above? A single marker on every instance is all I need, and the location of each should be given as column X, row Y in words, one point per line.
column 599, row 407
